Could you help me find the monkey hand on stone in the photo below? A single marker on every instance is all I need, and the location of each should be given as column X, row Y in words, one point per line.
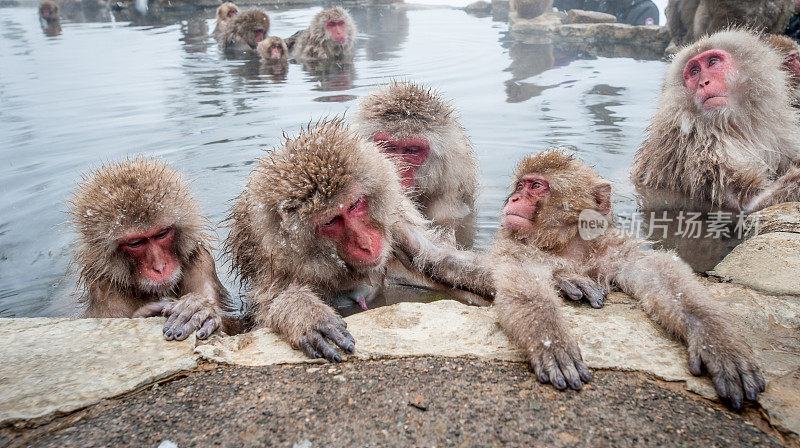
column 556, row 359
column 313, row 337
column 729, row 362
column 577, row 287
column 191, row 312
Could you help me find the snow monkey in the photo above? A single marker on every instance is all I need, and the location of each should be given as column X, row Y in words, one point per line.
column 244, row 32
column 225, row 14
column 49, row 18
column 725, row 132
column 325, row 213
column 273, row 49
column 420, row 131
column 544, row 236
column 331, row 35
column 790, row 50
column 688, row 20
column 142, row 250
column 529, row 9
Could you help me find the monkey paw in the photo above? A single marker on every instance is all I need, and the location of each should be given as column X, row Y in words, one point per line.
column 732, row 368
column 578, row 287
column 334, row 328
column 558, row 361
column 189, row 313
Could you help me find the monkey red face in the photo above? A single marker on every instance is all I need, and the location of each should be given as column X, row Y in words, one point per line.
column 45, row 11
column 275, row 51
column 337, row 30
column 358, row 242
column 706, row 75
column 232, row 13
column 412, row 151
column 792, row 62
column 156, row 263
column 259, row 35
column 521, row 206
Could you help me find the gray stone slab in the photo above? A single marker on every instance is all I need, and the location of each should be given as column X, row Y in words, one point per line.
column 768, row 262
column 54, row 366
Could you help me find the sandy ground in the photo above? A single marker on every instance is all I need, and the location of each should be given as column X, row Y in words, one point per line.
column 406, row 402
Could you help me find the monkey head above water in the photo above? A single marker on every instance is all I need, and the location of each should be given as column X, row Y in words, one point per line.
column 543, row 241
column 331, row 35
column 725, row 132
column 142, row 249
column 325, row 213
column 225, row 14
column 420, row 131
column 273, row 49
column 790, row 50
column 244, row 32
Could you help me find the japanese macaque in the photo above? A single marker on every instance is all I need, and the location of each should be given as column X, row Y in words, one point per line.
column 49, row 18
column 420, row 131
column 725, row 132
column 225, row 14
column 244, row 32
column 142, row 251
column 790, row 50
column 331, row 35
column 688, row 20
column 529, row 9
column 556, row 226
column 273, row 49
column 323, row 216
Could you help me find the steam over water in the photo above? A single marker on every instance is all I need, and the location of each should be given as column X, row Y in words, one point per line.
column 111, row 86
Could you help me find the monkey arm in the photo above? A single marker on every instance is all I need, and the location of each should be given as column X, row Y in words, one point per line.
column 460, row 269
column 784, row 189
column 671, row 295
column 299, row 314
column 527, row 309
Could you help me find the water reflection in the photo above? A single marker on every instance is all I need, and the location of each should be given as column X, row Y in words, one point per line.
column 157, row 84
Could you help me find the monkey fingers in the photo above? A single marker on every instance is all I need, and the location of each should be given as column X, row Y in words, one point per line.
column 560, row 367
column 578, row 287
column 189, row 314
column 315, row 345
column 151, row 310
column 735, row 376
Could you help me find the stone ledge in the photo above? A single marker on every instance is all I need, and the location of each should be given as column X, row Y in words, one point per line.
column 769, row 262
column 55, row 366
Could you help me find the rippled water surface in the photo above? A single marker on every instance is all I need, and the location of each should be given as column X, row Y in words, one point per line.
column 116, row 84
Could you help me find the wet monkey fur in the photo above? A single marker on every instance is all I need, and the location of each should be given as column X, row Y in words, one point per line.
column 330, row 36
column 725, row 132
column 419, row 129
column 142, row 250
column 225, row 14
column 539, row 242
column 325, row 213
column 244, row 32
column 689, row 20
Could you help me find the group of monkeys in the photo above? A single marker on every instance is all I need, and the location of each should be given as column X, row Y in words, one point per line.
column 339, row 209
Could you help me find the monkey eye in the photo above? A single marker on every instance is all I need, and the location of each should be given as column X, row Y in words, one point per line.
column 694, row 71
column 537, row 185
column 135, row 243
column 162, row 234
column 411, row 149
column 331, row 221
column 713, row 61
column 519, row 187
column 355, row 205
column 341, row 23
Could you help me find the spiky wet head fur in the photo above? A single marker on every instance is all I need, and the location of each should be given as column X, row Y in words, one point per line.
column 314, row 42
column 137, row 195
column 572, row 186
column 693, row 150
column 241, row 28
column 272, row 234
column 406, row 109
column 263, row 47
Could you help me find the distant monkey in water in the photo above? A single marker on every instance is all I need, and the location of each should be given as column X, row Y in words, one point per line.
column 244, row 32
column 324, row 214
column 420, row 131
column 225, row 14
column 689, row 20
column 541, row 243
column 330, row 36
column 49, row 18
column 273, row 49
column 142, row 250
column 789, row 49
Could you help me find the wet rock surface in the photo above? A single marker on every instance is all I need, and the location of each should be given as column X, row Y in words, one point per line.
column 581, row 16
column 406, row 402
column 769, row 262
column 778, row 218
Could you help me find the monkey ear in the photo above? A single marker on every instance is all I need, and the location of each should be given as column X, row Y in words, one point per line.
column 602, row 197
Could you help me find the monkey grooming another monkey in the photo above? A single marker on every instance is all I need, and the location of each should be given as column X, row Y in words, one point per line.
column 725, row 132
column 49, row 18
column 273, row 49
column 244, row 32
column 141, row 250
column 420, row 131
column 225, row 14
column 790, row 50
column 540, row 240
column 529, row 9
column 689, row 20
column 323, row 214
column 331, row 35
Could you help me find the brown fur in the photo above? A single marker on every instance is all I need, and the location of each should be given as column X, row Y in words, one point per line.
column 263, row 48
column 222, row 17
column 529, row 9
column 133, row 196
column 49, row 18
column 446, row 185
column 527, row 301
column 239, row 34
column 734, row 157
column 53, row 14
column 314, row 43
column 689, row 20
column 277, row 255
column 785, row 46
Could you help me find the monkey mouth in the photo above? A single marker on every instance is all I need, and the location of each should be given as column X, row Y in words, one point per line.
column 515, row 220
column 340, row 40
column 715, row 101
